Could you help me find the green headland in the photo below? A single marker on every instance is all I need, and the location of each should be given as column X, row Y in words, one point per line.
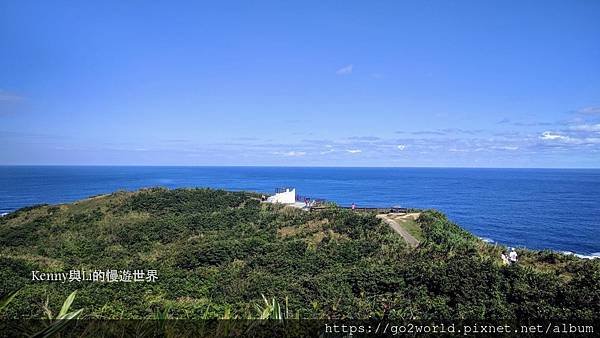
column 216, row 254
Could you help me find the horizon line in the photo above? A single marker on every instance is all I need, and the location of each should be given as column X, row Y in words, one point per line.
column 284, row 166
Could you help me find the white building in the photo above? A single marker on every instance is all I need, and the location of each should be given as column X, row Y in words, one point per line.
column 286, row 197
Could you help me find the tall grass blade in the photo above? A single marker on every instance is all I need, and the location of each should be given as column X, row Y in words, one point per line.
column 7, row 299
column 66, row 305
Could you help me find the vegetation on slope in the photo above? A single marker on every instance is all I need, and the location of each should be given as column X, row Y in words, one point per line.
column 217, row 253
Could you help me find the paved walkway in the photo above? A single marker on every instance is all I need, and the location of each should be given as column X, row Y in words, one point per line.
column 413, row 242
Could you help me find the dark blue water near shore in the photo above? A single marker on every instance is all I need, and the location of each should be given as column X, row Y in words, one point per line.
column 535, row 208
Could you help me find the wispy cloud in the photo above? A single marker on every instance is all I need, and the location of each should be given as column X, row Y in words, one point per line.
column 329, row 149
column 532, row 124
column 525, row 123
column 586, row 127
column 444, row 131
column 461, row 131
column 364, row 138
column 459, row 142
column 345, row 70
column 292, row 153
column 578, row 135
column 592, row 110
column 428, row 132
column 511, row 148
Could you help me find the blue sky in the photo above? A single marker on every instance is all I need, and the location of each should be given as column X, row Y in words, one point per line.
column 328, row 83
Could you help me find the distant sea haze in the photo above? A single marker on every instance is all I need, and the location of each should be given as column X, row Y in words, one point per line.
column 557, row 209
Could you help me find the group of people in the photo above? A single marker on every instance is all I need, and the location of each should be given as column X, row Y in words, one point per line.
column 510, row 257
column 308, row 203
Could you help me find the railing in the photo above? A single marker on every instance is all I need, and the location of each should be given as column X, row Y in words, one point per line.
column 284, row 189
column 392, row 210
column 319, row 204
column 301, row 198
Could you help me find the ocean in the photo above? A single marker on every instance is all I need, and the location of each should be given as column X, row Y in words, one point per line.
column 557, row 209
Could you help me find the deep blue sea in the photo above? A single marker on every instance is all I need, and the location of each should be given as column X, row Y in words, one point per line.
column 556, row 209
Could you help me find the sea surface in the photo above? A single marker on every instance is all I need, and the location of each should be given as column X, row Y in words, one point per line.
column 557, row 209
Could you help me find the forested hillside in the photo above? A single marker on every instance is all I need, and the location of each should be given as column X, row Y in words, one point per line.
column 216, row 254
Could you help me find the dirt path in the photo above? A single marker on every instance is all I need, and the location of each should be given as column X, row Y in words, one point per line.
column 413, row 242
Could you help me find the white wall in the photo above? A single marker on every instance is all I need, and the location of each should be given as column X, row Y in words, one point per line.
column 287, row 197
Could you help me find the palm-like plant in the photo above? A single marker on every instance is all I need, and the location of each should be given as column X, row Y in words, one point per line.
column 63, row 318
column 56, row 323
column 272, row 309
column 64, row 310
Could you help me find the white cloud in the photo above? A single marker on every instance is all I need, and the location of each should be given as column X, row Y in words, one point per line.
column 570, row 139
column 345, row 70
column 354, row 151
column 401, row 147
column 506, row 148
column 292, row 153
column 550, row 136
